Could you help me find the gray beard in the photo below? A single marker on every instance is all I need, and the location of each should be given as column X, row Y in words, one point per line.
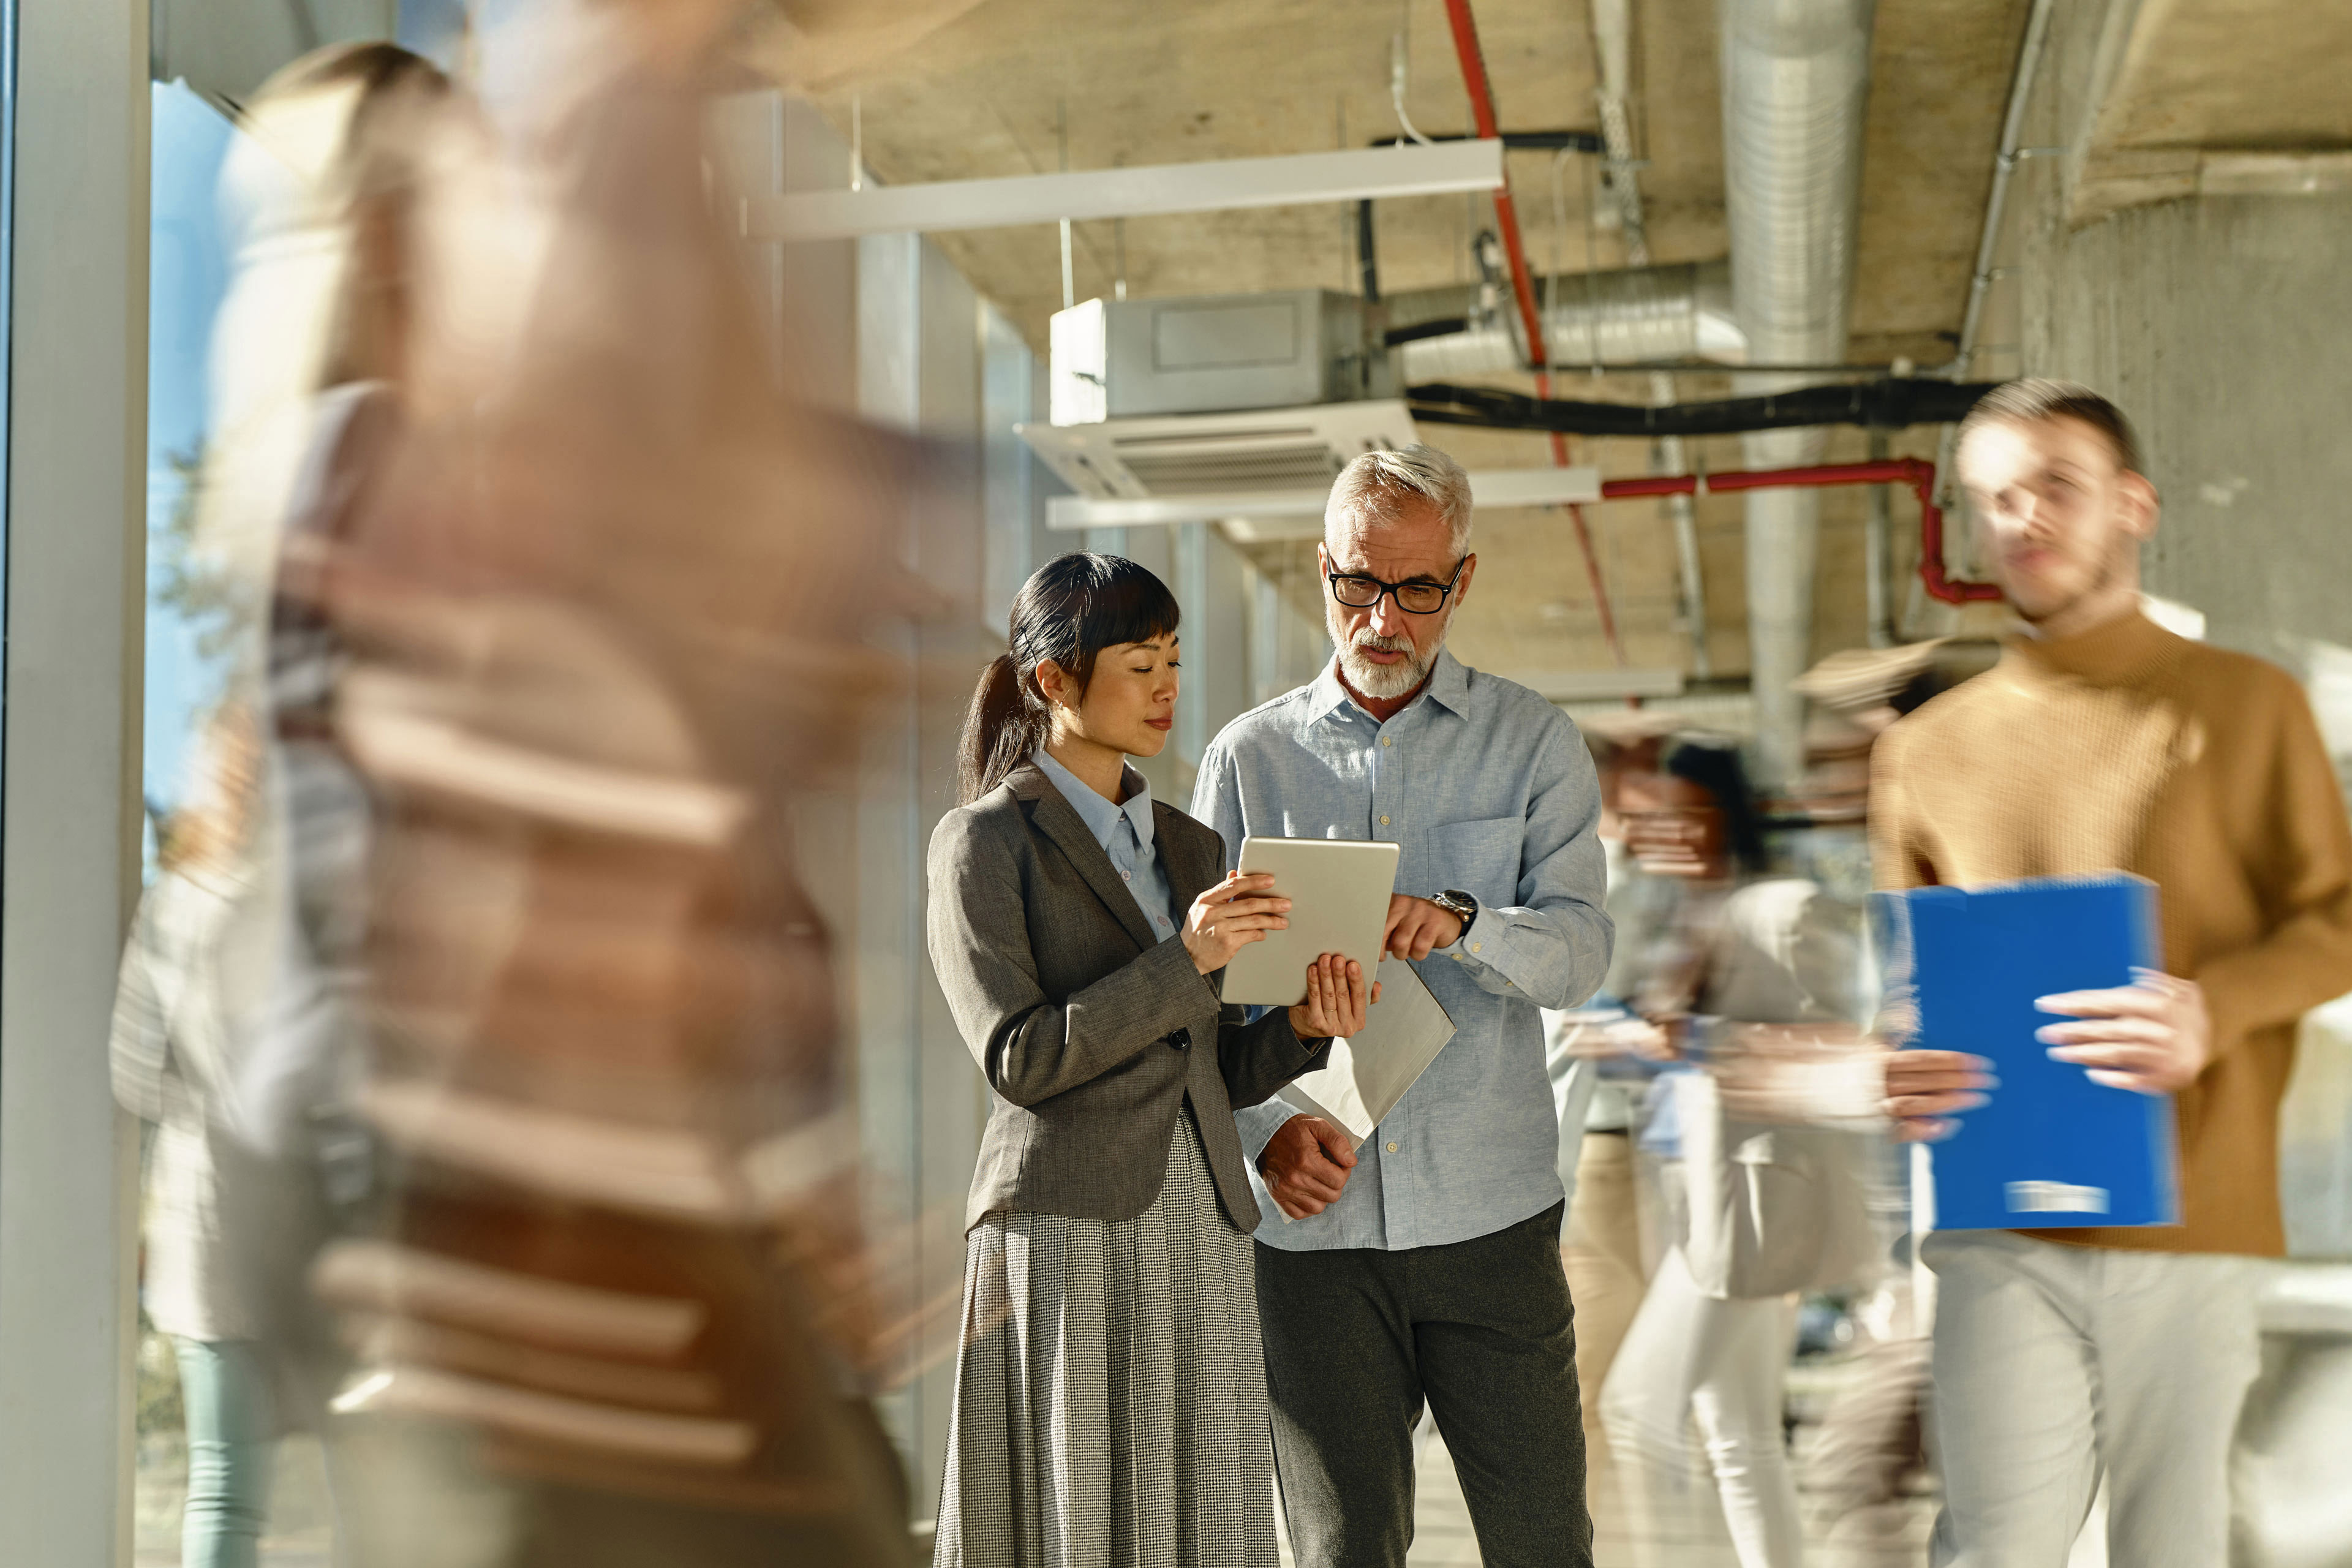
column 1382, row 682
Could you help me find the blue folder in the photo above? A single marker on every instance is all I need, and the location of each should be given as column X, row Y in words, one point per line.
column 2051, row 1149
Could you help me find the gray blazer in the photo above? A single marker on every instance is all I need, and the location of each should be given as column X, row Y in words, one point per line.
column 1091, row 1033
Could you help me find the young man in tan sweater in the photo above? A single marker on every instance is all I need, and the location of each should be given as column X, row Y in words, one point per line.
column 2102, row 741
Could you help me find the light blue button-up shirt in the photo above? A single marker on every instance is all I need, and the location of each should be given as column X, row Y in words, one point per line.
column 1124, row 830
column 1488, row 790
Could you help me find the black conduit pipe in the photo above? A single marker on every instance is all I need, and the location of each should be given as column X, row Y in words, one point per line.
column 1890, row 405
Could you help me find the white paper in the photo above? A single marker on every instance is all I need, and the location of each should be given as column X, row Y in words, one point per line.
column 1369, row 1074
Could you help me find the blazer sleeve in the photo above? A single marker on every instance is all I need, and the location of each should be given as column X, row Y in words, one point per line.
column 1029, row 1046
column 1257, row 1057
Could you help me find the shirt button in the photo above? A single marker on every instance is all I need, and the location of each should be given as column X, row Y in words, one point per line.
column 1388, row 740
column 1474, row 947
column 1384, row 822
column 1392, row 1148
column 1127, row 876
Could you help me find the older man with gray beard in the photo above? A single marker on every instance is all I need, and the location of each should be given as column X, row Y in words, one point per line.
column 1428, row 1269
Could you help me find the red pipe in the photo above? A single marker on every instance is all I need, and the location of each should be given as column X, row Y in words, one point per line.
column 1523, row 290
column 1915, row 472
column 1507, row 215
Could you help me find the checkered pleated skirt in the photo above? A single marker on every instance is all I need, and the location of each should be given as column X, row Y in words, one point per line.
column 1110, row 1395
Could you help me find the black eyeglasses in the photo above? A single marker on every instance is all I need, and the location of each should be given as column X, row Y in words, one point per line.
column 1358, row 592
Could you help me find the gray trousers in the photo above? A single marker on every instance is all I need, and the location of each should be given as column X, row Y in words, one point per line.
column 1357, row 1338
column 2055, row 1362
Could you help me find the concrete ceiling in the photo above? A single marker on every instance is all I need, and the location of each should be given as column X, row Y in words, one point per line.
column 987, row 89
column 2172, row 83
column 1148, row 83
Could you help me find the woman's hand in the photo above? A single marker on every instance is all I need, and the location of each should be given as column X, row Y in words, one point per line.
column 1229, row 917
column 1336, row 1003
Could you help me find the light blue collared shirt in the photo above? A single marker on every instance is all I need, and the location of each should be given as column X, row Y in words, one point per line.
column 1488, row 790
column 1124, row 830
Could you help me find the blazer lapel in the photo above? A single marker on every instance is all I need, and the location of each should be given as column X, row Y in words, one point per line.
column 1193, row 859
column 1058, row 821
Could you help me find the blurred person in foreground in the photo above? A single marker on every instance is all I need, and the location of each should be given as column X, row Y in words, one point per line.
column 1429, row 1270
column 600, row 618
column 1760, row 985
column 2102, row 741
column 1110, row 1391
column 224, row 1034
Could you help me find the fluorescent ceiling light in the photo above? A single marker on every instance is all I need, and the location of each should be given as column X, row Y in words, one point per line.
column 1257, row 516
column 1364, row 174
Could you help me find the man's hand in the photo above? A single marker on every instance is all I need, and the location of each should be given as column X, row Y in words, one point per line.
column 1925, row 1088
column 1335, row 1001
column 1305, row 1166
column 1416, row 926
column 2153, row 1036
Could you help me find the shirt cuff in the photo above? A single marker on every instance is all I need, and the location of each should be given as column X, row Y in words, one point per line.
column 1484, row 940
column 1257, row 1124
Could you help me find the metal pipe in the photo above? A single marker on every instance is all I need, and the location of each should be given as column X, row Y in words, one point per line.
column 1538, row 350
column 1612, row 49
column 2005, row 161
column 1915, row 473
column 1629, row 316
column 1796, row 80
column 1506, row 213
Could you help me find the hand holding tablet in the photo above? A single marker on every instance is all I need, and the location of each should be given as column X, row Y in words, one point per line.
column 1336, row 895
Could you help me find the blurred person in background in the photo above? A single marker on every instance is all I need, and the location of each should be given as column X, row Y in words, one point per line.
column 1601, row 1057
column 2104, row 743
column 222, row 1032
column 600, row 616
column 1870, row 1443
column 1427, row 1273
column 1110, row 1390
column 229, row 1229
column 1762, row 970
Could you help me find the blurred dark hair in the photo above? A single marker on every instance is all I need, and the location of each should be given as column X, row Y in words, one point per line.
column 1716, row 768
column 1072, row 609
column 2037, row 398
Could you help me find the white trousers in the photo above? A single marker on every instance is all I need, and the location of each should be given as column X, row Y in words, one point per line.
column 1725, row 1362
column 2055, row 1362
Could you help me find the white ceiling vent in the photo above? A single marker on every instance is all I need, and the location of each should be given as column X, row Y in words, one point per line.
column 1199, row 454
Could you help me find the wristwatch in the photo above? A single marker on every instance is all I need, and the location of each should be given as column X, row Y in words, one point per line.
column 1461, row 906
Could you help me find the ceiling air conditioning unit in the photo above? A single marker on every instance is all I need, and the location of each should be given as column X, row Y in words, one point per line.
column 1203, row 353
column 1227, row 395
column 1240, row 409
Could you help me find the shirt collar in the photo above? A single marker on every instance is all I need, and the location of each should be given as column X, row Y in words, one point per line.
column 1100, row 815
column 1448, row 687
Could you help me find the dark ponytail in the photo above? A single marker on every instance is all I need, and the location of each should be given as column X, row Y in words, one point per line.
column 1072, row 609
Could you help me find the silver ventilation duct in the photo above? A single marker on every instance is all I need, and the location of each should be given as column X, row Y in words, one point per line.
column 1638, row 315
column 1796, row 79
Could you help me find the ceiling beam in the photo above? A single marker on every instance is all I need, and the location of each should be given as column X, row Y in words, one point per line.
column 1361, row 175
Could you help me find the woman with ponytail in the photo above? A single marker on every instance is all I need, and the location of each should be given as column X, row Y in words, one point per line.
column 1110, row 1390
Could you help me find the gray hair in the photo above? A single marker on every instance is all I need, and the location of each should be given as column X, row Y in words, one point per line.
column 1374, row 486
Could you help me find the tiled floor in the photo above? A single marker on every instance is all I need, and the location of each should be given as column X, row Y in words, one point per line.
column 1443, row 1536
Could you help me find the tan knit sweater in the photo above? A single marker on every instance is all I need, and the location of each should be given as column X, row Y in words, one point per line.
column 2128, row 748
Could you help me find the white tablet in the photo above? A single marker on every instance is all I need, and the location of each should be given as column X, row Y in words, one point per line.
column 1339, row 890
